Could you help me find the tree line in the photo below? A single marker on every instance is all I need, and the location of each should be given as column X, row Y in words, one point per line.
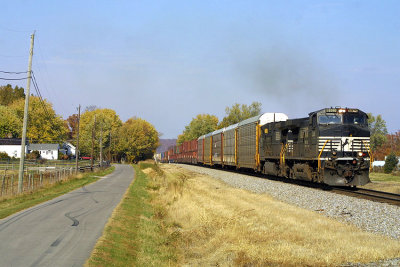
column 205, row 123
column 133, row 140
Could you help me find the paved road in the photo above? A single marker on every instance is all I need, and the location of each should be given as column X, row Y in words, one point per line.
column 62, row 231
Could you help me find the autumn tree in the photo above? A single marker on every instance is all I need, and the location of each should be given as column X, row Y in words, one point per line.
column 44, row 124
column 9, row 94
column 137, row 140
column 377, row 126
column 201, row 124
column 72, row 125
column 391, row 144
column 238, row 113
column 10, row 124
column 104, row 123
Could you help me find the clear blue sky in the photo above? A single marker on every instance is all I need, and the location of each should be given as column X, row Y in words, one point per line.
column 167, row 61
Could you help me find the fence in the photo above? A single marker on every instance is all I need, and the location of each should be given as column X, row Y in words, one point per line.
column 37, row 177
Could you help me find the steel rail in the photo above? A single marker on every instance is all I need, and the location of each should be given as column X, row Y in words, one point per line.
column 369, row 194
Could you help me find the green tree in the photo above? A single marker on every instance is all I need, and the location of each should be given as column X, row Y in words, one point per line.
column 8, row 94
column 377, row 126
column 44, row 124
column 390, row 163
column 201, row 124
column 137, row 140
column 104, row 121
column 10, row 124
column 238, row 113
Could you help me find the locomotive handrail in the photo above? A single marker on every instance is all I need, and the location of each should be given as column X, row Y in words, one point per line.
column 257, row 156
column 320, row 153
column 282, row 154
column 371, row 157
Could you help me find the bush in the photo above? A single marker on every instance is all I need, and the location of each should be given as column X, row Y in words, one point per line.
column 390, row 163
column 4, row 155
column 62, row 156
column 33, row 155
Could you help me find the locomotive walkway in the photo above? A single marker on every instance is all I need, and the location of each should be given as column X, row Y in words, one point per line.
column 63, row 231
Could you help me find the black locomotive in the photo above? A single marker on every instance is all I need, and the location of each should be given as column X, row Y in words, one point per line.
column 329, row 146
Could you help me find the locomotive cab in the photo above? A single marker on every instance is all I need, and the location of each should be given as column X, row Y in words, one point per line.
column 342, row 140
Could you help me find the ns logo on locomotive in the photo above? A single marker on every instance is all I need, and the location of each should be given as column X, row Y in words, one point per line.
column 330, row 146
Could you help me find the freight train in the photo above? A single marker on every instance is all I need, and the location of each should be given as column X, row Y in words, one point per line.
column 330, row 146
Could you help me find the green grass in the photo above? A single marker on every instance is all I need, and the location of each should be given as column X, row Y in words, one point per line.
column 14, row 204
column 135, row 236
column 383, row 177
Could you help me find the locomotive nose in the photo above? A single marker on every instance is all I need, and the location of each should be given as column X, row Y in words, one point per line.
column 348, row 174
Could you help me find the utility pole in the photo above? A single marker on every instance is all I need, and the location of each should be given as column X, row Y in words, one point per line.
column 93, row 130
column 77, row 139
column 25, row 122
column 101, row 146
column 109, row 149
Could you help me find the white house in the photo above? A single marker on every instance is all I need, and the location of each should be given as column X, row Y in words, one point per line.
column 47, row 151
column 12, row 146
column 69, row 149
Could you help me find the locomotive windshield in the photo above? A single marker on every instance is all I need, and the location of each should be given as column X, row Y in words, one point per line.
column 330, row 119
column 347, row 118
column 354, row 119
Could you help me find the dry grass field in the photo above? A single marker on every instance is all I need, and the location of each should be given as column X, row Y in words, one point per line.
column 173, row 217
column 224, row 226
column 384, row 182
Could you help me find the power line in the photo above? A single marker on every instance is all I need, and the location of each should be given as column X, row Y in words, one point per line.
column 52, row 93
column 12, row 30
column 13, row 72
column 12, row 56
column 40, row 95
column 13, row 79
column 42, row 102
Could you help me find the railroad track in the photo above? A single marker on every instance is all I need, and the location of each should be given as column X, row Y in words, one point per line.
column 377, row 196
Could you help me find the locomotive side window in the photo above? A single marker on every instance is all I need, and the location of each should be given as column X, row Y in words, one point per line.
column 314, row 121
column 330, row 119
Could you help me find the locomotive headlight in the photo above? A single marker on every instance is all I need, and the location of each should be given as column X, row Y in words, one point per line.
column 334, row 153
column 360, row 154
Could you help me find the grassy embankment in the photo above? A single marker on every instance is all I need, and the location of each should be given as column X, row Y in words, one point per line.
column 384, row 182
column 176, row 217
column 136, row 234
column 12, row 204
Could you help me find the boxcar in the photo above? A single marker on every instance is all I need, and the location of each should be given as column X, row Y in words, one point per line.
column 229, row 148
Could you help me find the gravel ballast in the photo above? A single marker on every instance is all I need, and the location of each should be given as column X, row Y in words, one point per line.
column 368, row 215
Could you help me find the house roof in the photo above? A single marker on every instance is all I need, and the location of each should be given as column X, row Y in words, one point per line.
column 33, row 147
column 68, row 144
column 11, row 141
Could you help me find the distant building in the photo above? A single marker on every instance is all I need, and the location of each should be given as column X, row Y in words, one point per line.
column 12, row 146
column 378, row 163
column 69, row 149
column 47, row 151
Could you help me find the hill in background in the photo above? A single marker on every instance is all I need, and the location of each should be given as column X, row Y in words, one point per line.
column 165, row 144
